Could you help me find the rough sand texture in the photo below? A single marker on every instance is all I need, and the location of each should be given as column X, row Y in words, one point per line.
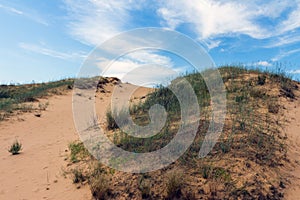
column 36, row 173
column 293, row 134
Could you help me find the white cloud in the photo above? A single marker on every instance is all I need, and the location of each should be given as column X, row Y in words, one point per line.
column 141, row 67
column 52, row 53
column 213, row 18
column 133, row 60
column 11, row 9
column 211, row 44
column 293, row 20
column 297, row 71
column 93, row 22
column 263, row 64
column 284, row 40
column 284, row 54
column 30, row 14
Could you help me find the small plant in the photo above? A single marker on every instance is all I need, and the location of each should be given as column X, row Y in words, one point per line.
column 239, row 99
column 174, row 185
column 15, row 148
column 113, row 117
column 273, row 108
column 99, row 187
column 78, row 176
column 111, row 123
column 43, row 106
column 261, row 80
column 206, row 171
column 287, row 90
column 225, row 147
column 144, row 186
column 257, row 93
column 78, row 151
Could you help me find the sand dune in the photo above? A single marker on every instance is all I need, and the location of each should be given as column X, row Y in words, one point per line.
column 292, row 131
column 37, row 173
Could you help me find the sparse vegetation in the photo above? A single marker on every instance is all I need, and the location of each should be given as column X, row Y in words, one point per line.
column 78, row 176
column 99, row 187
column 261, row 79
column 145, row 187
column 174, row 185
column 78, row 151
column 15, row 148
column 242, row 163
column 14, row 97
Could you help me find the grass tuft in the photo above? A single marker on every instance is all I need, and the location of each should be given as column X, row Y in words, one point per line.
column 15, row 148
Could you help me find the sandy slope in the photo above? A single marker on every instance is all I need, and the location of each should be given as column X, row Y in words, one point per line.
column 293, row 133
column 37, row 172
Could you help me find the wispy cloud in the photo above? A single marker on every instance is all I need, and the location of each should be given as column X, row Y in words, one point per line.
column 10, row 9
column 52, row 53
column 296, row 71
column 133, row 60
column 212, row 18
column 141, row 67
column 93, row 22
column 284, row 40
column 30, row 14
column 284, row 54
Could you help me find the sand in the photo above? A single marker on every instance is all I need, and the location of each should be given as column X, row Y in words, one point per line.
column 293, row 133
column 37, row 172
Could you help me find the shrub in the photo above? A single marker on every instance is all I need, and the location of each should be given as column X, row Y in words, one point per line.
column 15, row 148
column 273, row 108
column 78, row 151
column 111, row 123
column 174, row 185
column 287, row 90
column 145, row 188
column 261, row 80
column 99, row 187
column 257, row 93
column 206, row 171
column 78, row 176
column 121, row 117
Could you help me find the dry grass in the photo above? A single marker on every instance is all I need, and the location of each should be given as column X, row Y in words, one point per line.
column 22, row 98
column 244, row 164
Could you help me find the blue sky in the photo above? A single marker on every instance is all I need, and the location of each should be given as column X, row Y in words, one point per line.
column 49, row 40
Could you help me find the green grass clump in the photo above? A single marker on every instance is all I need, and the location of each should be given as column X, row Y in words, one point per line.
column 78, row 151
column 15, row 148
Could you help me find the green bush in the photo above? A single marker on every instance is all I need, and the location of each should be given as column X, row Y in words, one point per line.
column 15, row 148
column 78, row 151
